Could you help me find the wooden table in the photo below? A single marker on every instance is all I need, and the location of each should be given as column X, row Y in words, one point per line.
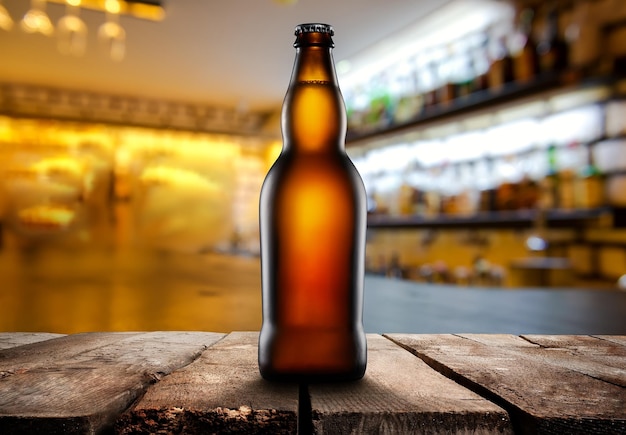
column 202, row 382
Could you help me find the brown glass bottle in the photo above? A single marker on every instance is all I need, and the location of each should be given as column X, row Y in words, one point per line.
column 312, row 223
column 525, row 64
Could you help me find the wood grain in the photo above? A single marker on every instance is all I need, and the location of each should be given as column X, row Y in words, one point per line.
column 401, row 394
column 552, row 385
column 81, row 383
column 220, row 392
column 14, row 339
column 195, row 382
column 594, row 357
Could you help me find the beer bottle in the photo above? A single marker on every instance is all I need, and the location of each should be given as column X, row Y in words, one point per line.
column 312, row 225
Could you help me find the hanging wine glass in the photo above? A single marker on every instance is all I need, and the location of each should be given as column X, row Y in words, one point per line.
column 6, row 22
column 111, row 34
column 72, row 30
column 36, row 19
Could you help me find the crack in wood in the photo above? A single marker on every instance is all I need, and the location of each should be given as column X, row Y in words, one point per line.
column 522, row 422
column 305, row 412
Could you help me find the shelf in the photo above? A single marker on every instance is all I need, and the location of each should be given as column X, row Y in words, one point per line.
column 504, row 219
column 480, row 100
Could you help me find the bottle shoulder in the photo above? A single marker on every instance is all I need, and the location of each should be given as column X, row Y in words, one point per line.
column 312, row 161
column 311, row 168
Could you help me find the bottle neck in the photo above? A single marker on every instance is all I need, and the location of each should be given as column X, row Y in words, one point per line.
column 314, row 64
column 313, row 114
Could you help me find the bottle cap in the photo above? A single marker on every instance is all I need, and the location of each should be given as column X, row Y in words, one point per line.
column 314, row 28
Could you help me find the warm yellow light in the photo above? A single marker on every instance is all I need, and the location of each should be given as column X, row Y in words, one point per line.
column 59, row 165
column 49, row 216
column 6, row 22
column 112, row 6
column 162, row 175
column 37, row 21
column 73, row 2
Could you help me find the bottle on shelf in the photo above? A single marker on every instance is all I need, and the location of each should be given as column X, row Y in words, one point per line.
column 412, row 191
column 487, row 184
column 508, row 176
column 479, row 58
column 616, row 35
column 407, row 101
column 589, row 190
column 405, row 199
column 552, row 49
column 379, row 113
column 548, row 197
column 529, row 191
column 462, row 73
column 357, row 105
column 417, row 178
column 501, row 67
column 523, row 48
column 433, row 196
column 584, row 35
column 570, row 160
column 429, row 80
column 468, row 199
column 446, row 90
column 449, row 188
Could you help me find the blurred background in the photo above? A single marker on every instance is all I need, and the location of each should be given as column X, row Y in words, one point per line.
column 135, row 136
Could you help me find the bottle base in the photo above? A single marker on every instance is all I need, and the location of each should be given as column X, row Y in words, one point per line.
column 311, row 378
column 312, row 355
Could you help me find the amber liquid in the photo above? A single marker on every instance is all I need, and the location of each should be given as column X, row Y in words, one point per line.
column 313, row 217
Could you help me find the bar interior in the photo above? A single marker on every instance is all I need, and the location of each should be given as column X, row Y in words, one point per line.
column 490, row 135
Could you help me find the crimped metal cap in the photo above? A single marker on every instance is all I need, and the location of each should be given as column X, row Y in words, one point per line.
column 314, row 28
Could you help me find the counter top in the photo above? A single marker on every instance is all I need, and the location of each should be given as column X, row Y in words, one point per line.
column 405, row 306
column 203, row 382
column 67, row 291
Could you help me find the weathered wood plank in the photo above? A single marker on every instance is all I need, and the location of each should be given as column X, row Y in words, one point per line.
column 617, row 339
column 591, row 356
column 82, row 383
column 583, row 344
column 401, row 394
column 544, row 390
column 220, row 392
column 14, row 339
